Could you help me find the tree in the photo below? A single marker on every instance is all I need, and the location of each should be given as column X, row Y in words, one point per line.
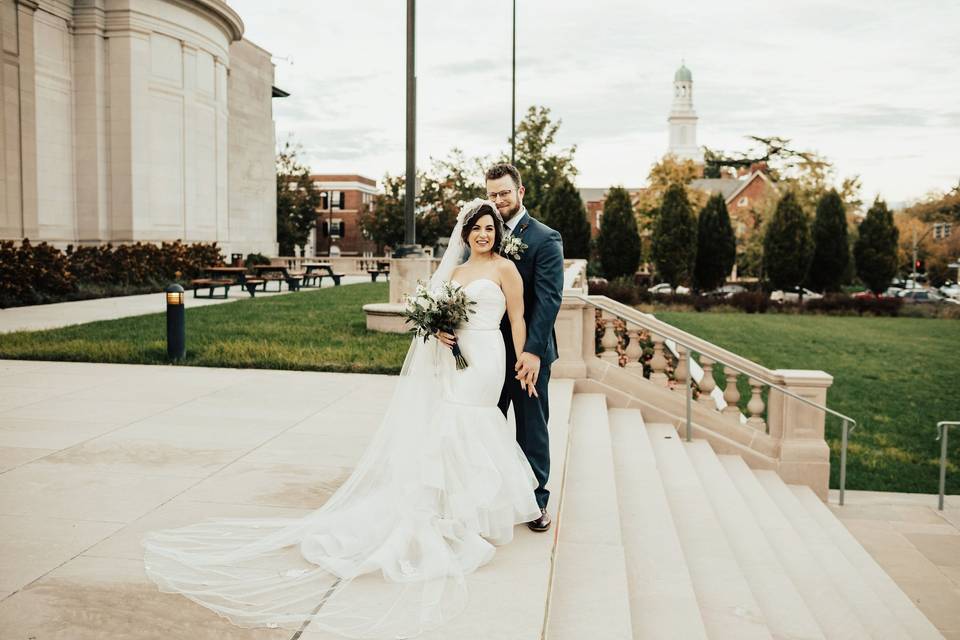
column 668, row 171
column 876, row 249
column 384, row 223
column 716, row 245
column 675, row 237
column 831, row 251
column 444, row 187
column 540, row 166
column 618, row 244
column 808, row 174
column 564, row 211
column 297, row 201
column 787, row 248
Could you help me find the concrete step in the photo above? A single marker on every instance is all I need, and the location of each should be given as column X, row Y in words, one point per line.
column 785, row 611
column 911, row 619
column 727, row 605
column 833, row 613
column 662, row 601
column 873, row 614
column 589, row 593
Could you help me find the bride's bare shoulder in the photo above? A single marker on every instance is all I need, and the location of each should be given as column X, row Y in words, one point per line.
column 506, row 268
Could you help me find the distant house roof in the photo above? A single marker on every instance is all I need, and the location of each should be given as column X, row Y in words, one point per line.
column 724, row 186
column 278, row 93
column 592, row 194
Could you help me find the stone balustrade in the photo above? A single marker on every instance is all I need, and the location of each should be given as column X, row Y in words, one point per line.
column 737, row 403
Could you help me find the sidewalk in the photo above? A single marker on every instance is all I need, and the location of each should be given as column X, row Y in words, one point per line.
column 62, row 314
column 92, row 456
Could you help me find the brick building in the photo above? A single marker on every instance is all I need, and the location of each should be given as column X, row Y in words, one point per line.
column 344, row 197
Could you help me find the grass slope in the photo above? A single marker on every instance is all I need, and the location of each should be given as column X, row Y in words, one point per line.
column 897, row 377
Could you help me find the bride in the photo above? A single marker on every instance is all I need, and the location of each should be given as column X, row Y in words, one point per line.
column 441, row 483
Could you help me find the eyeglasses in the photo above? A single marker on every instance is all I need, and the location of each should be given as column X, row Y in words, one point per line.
column 499, row 194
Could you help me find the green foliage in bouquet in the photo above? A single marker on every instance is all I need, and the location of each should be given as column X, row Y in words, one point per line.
column 442, row 310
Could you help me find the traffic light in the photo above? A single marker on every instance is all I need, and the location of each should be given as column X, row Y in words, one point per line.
column 920, row 267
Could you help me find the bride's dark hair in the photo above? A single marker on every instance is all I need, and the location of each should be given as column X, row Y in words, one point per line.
column 484, row 210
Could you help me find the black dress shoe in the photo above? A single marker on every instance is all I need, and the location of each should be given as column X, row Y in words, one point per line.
column 542, row 523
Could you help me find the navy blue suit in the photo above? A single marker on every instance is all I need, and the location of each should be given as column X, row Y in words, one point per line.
column 541, row 268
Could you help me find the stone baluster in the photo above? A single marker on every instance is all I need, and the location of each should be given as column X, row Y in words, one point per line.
column 634, row 350
column 609, row 341
column 658, row 363
column 731, row 395
column 680, row 373
column 707, row 383
column 755, row 406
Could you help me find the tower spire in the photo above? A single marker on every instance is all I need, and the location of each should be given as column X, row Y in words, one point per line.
column 683, row 118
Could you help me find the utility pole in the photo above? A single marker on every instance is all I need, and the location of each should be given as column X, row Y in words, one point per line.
column 513, row 101
column 410, row 222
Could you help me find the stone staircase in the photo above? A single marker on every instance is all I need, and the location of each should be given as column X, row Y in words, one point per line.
column 656, row 537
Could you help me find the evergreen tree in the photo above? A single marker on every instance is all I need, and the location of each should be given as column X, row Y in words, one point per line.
column 675, row 237
column 716, row 245
column 618, row 244
column 787, row 248
column 875, row 252
column 564, row 211
column 831, row 250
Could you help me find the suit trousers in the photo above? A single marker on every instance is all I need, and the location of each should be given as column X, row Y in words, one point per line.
column 532, row 415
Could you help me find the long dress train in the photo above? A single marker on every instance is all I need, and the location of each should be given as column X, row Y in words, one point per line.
column 442, row 482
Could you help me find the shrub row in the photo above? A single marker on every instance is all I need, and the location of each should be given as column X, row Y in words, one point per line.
column 624, row 290
column 35, row 274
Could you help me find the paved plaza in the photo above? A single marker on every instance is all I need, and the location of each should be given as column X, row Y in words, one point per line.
column 94, row 455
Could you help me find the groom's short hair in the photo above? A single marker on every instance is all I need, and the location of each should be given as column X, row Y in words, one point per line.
column 497, row 171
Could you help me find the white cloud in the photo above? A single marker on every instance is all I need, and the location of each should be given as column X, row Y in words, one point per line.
column 872, row 85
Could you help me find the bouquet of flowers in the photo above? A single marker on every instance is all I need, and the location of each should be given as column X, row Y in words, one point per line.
column 442, row 310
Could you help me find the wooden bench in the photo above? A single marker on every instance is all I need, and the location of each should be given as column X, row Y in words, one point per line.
column 211, row 284
column 330, row 274
column 377, row 272
column 252, row 283
column 293, row 282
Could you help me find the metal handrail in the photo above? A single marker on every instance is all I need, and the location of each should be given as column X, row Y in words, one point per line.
column 942, row 429
column 595, row 301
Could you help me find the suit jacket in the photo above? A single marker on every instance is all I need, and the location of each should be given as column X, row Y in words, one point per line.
column 541, row 268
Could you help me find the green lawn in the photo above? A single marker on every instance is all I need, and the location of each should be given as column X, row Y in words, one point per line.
column 897, row 377
column 319, row 330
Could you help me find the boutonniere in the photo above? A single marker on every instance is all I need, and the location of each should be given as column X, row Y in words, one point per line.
column 512, row 246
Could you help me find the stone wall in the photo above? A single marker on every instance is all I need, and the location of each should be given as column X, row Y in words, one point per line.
column 116, row 124
column 252, row 141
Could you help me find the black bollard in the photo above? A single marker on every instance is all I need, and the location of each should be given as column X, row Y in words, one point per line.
column 176, row 331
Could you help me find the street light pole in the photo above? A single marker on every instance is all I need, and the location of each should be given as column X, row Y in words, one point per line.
column 410, row 234
column 513, row 101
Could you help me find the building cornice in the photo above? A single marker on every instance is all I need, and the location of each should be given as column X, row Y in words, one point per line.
column 226, row 18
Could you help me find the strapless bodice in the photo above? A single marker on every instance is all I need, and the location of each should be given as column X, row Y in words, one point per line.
column 490, row 306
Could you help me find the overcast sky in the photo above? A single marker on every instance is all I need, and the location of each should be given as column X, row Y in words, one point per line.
column 874, row 85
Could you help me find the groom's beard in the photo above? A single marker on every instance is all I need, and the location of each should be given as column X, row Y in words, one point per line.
column 509, row 213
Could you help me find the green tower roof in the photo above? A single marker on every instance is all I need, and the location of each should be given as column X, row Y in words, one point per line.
column 683, row 74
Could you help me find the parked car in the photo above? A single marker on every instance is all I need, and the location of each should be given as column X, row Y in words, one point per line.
column 951, row 290
column 726, row 291
column 664, row 288
column 794, row 296
column 891, row 292
column 920, row 296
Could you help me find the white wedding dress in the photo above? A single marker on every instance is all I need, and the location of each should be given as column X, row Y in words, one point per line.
column 442, row 482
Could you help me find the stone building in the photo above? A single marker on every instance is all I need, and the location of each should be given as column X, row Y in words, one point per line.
column 135, row 120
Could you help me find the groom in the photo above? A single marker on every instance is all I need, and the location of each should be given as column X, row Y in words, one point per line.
column 541, row 267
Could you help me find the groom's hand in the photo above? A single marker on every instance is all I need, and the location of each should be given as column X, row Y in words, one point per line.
column 528, row 368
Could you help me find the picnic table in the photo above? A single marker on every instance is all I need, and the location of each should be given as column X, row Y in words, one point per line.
column 224, row 276
column 383, row 267
column 316, row 271
column 278, row 273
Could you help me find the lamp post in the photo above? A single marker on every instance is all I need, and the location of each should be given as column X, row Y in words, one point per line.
column 176, row 333
column 513, row 101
